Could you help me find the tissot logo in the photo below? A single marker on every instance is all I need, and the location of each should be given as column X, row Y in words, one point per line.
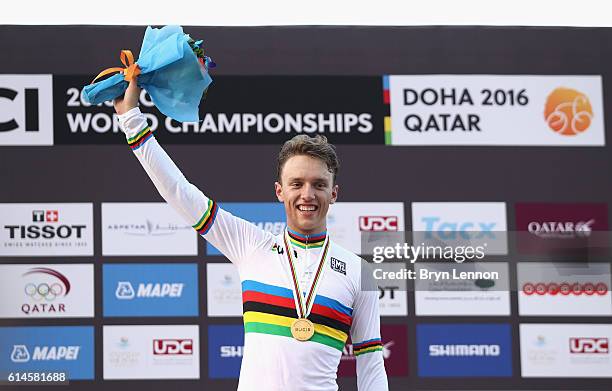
column 387, row 291
column 172, row 347
column 338, row 265
column 45, row 231
column 589, row 345
column 378, row 223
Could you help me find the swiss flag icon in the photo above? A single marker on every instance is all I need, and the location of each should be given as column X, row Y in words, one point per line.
column 51, row 216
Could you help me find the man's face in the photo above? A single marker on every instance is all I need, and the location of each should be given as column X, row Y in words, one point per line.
column 306, row 189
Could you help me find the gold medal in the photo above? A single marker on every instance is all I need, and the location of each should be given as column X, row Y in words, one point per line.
column 302, row 329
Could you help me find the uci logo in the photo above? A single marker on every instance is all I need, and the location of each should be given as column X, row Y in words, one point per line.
column 26, row 110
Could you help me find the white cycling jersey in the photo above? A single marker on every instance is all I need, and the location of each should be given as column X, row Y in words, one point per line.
column 272, row 359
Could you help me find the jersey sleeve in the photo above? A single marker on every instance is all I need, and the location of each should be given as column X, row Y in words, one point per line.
column 365, row 335
column 233, row 236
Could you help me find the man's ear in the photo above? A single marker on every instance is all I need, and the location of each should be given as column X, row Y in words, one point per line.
column 278, row 189
column 334, row 194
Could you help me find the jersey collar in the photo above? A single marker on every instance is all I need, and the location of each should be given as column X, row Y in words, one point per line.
column 306, row 241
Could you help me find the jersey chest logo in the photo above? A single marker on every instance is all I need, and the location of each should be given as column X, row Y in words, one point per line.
column 338, row 265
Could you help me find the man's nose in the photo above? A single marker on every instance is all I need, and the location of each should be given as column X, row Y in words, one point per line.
column 308, row 192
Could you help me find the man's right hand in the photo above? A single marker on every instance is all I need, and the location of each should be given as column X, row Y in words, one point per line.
column 129, row 100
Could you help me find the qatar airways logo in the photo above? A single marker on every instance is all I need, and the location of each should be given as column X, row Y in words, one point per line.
column 378, row 223
column 172, row 347
column 589, row 345
column 562, row 230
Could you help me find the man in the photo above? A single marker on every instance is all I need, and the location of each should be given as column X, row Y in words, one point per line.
column 302, row 293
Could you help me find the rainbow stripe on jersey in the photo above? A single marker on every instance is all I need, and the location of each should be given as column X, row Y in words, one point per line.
column 138, row 140
column 306, row 241
column 207, row 219
column 270, row 309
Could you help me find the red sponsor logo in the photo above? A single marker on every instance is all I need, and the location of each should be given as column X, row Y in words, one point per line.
column 378, row 223
column 172, row 347
column 565, row 288
column 589, row 345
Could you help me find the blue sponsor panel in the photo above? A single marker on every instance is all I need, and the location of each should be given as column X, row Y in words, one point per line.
column 68, row 349
column 464, row 350
column 225, row 347
column 150, row 289
column 269, row 216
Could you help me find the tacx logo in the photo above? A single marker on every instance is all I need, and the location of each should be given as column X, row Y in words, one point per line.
column 378, row 223
column 589, row 345
column 125, row 291
column 454, row 229
column 21, row 354
column 565, row 288
column 464, row 350
column 568, row 112
column 338, row 265
column 26, row 115
column 172, row 347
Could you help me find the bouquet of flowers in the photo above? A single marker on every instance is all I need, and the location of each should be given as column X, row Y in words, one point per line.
column 172, row 68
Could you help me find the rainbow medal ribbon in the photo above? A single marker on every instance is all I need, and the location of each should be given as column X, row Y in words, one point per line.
column 303, row 329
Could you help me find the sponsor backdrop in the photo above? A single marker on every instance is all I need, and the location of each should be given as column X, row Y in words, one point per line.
column 504, row 135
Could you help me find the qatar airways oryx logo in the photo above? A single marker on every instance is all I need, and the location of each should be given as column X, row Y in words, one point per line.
column 561, row 229
column 378, row 223
column 172, row 347
column 589, row 345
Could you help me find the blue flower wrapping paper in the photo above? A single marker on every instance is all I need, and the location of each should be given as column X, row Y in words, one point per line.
column 169, row 71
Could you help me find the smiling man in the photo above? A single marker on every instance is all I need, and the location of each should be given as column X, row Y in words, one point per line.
column 302, row 293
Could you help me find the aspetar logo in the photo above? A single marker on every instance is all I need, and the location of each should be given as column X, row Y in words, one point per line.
column 149, row 228
column 231, row 351
column 446, row 229
column 26, row 112
column 472, row 350
column 568, row 112
column 45, row 225
column 565, row 288
column 378, row 223
column 173, row 347
column 45, row 291
column 561, row 229
column 21, row 354
column 149, row 290
column 348, row 351
column 582, row 345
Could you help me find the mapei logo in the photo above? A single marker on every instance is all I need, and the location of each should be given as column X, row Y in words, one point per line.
column 26, row 110
column 378, row 223
column 20, row 353
column 565, row 288
column 568, row 112
column 172, row 347
column 125, row 291
column 454, row 229
column 589, row 345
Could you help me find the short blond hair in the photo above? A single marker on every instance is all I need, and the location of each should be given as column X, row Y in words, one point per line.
column 316, row 147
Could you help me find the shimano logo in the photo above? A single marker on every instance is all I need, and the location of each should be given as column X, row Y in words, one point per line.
column 464, row 350
column 230, row 351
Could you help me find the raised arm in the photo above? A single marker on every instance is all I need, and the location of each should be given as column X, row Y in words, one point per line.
column 234, row 237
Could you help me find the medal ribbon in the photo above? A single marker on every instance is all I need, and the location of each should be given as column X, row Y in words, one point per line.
column 304, row 309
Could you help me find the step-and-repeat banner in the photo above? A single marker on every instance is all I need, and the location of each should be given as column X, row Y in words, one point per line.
column 438, row 134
